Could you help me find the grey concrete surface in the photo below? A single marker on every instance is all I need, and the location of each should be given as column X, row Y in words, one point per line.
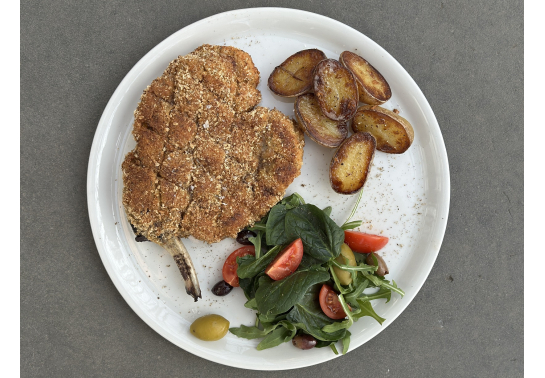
column 466, row 56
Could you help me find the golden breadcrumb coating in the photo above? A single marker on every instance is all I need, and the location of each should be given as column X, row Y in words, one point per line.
column 207, row 162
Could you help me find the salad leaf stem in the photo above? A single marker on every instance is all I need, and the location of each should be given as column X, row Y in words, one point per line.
column 351, row 297
column 256, row 241
column 258, row 227
column 383, row 283
column 354, row 208
column 351, row 225
column 336, row 279
column 359, row 268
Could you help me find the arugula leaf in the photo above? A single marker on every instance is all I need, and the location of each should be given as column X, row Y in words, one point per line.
column 256, row 241
column 276, row 297
column 357, row 268
column 322, row 238
column 251, row 333
column 355, row 294
column 308, row 316
column 269, row 319
column 382, row 293
column 381, row 282
column 337, row 326
column 346, row 342
column 258, row 227
column 367, row 310
column 323, row 344
column 333, row 348
column 337, row 285
column 280, row 335
column 251, row 304
column 351, row 225
column 249, row 268
column 354, row 209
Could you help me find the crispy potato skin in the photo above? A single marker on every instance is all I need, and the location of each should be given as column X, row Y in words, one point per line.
column 372, row 86
column 350, row 166
column 394, row 134
column 295, row 75
column 336, row 90
column 317, row 126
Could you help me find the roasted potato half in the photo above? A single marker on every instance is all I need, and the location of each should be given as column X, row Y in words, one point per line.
column 394, row 134
column 294, row 76
column 336, row 90
column 372, row 87
column 319, row 128
column 349, row 167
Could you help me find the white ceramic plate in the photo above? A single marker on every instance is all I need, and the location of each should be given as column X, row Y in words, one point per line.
column 405, row 198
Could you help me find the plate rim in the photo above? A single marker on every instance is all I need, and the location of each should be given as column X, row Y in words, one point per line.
column 104, row 126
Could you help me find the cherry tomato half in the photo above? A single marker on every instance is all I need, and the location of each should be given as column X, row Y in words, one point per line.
column 286, row 262
column 364, row 243
column 330, row 304
column 230, row 266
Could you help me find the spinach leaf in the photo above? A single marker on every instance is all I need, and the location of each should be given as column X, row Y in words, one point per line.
column 308, row 316
column 310, row 263
column 276, row 233
column 249, row 268
column 276, row 297
column 249, row 285
column 322, row 238
column 292, row 201
column 327, row 210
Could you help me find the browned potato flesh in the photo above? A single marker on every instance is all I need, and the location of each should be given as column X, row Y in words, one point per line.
column 294, row 76
column 394, row 134
column 372, row 87
column 336, row 90
column 319, row 128
column 349, row 167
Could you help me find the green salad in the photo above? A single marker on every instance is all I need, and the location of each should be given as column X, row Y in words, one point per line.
column 304, row 282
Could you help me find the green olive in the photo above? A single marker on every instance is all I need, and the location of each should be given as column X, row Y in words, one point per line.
column 210, row 327
column 344, row 276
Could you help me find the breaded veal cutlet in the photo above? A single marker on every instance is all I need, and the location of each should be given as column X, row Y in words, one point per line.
column 207, row 162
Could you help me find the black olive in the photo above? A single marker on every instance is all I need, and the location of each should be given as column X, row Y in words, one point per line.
column 382, row 267
column 221, row 288
column 139, row 237
column 242, row 237
column 303, row 341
